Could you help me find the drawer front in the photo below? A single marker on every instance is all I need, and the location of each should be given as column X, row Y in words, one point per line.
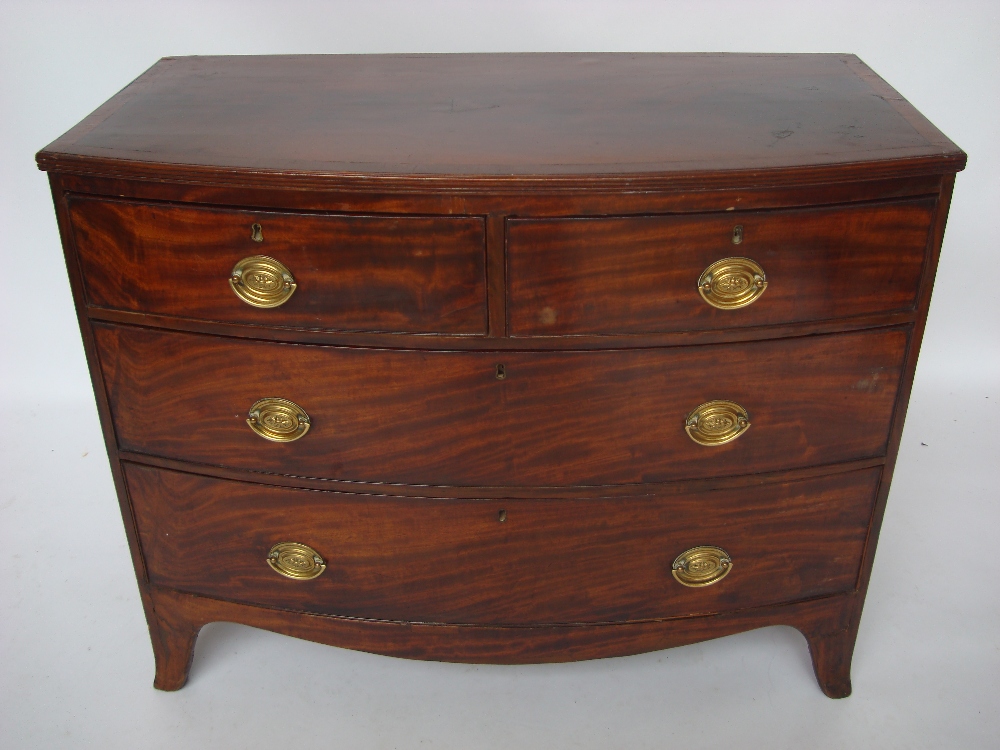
column 351, row 273
column 549, row 561
column 641, row 274
column 556, row 418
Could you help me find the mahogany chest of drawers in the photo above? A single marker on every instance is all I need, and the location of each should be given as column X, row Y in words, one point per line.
column 503, row 358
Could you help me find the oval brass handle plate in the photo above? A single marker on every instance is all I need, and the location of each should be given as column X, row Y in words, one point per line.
column 717, row 422
column 278, row 419
column 261, row 281
column 702, row 566
column 731, row 283
column 300, row 562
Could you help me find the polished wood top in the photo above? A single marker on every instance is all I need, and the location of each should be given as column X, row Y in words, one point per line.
column 515, row 120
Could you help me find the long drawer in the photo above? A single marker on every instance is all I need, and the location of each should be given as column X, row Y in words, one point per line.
column 553, row 418
column 623, row 275
column 405, row 274
column 547, row 561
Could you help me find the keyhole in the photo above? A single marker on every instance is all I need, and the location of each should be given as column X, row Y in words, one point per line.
column 502, row 516
column 256, row 233
column 737, row 234
column 501, row 374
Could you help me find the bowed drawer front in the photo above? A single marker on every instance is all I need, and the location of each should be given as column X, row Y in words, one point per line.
column 556, row 418
column 642, row 274
column 497, row 358
column 363, row 273
column 546, row 562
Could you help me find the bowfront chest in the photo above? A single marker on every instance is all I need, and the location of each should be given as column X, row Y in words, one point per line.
column 503, row 358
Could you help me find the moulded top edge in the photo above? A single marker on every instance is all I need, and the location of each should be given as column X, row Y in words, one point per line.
column 514, row 120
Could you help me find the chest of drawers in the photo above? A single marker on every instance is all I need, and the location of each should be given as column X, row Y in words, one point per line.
column 503, row 358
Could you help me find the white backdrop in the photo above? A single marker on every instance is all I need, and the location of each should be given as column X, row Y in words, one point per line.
column 77, row 666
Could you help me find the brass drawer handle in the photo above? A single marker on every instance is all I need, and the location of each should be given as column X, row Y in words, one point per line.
column 717, row 422
column 261, row 281
column 702, row 566
column 731, row 283
column 278, row 419
column 300, row 562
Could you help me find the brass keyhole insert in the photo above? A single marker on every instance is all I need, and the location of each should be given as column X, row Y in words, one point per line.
column 256, row 233
column 502, row 516
column 737, row 234
column 501, row 372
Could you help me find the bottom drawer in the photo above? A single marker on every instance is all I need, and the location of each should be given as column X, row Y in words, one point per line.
column 548, row 561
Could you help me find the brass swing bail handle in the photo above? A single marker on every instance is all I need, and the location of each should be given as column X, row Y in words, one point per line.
column 731, row 283
column 278, row 420
column 701, row 566
column 297, row 561
column 262, row 281
column 717, row 423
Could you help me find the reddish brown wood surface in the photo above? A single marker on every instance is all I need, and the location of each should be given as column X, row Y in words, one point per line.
column 363, row 273
column 501, row 141
column 503, row 203
column 842, row 656
column 578, row 120
column 640, row 274
column 417, row 417
column 662, row 490
column 180, row 616
column 549, row 562
column 831, row 657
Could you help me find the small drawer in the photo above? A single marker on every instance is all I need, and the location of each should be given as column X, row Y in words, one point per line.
column 502, row 419
column 643, row 274
column 546, row 561
column 317, row 271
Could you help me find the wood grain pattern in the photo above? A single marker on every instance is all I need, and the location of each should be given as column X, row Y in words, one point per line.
column 661, row 489
column 551, row 561
column 536, row 203
column 182, row 616
column 457, row 150
column 415, row 417
column 831, row 655
column 840, row 651
column 499, row 343
column 354, row 273
column 640, row 274
column 435, row 122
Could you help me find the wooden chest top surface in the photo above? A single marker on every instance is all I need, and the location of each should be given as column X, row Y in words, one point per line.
column 507, row 118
